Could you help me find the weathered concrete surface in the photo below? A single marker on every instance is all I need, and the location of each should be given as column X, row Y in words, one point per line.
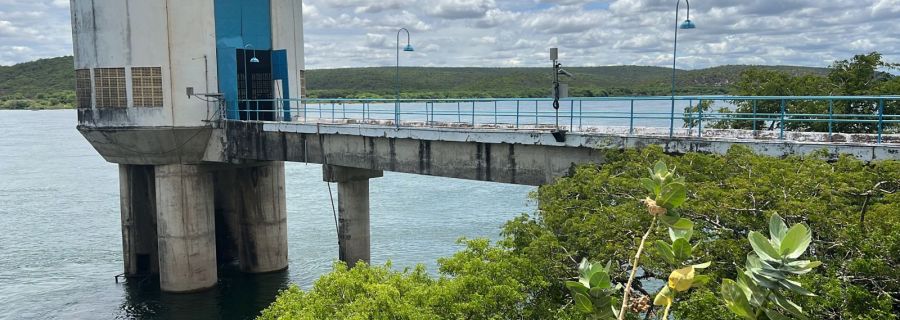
column 517, row 157
column 185, row 228
column 137, row 192
column 149, row 146
column 260, row 201
column 354, row 233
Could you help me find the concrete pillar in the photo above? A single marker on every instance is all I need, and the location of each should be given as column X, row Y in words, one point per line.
column 262, row 218
column 354, row 236
column 137, row 192
column 185, row 228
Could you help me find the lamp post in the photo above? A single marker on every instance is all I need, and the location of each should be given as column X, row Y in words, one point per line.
column 687, row 24
column 247, row 81
column 408, row 48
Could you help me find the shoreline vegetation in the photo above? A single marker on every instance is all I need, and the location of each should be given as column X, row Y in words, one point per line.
column 49, row 83
column 596, row 213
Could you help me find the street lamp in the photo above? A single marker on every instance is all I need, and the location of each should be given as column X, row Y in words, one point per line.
column 407, row 48
column 254, row 59
column 687, row 24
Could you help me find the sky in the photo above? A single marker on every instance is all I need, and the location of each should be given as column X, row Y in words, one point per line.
column 511, row 33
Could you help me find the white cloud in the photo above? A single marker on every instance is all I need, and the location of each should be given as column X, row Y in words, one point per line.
column 343, row 33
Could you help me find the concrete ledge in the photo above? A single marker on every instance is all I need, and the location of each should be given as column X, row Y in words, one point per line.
column 149, row 146
column 776, row 148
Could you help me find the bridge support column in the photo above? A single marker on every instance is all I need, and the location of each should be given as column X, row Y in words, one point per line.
column 185, row 228
column 354, row 239
column 137, row 192
column 252, row 202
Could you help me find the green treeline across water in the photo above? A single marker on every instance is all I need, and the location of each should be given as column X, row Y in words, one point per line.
column 49, row 83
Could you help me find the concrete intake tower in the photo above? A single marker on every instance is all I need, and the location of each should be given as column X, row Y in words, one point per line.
column 153, row 80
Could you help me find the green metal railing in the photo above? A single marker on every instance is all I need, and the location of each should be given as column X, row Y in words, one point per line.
column 874, row 115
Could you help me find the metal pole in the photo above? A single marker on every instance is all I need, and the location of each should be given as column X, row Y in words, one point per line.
column 754, row 115
column 397, row 103
column 631, row 119
column 831, row 120
column 495, row 113
column 781, row 135
column 880, row 119
column 674, row 59
column 473, row 114
column 700, row 119
column 580, row 114
column 458, row 112
column 517, row 113
column 571, row 115
column 536, row 115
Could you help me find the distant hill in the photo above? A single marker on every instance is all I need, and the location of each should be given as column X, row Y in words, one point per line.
column 50, row 82
column 421, row 82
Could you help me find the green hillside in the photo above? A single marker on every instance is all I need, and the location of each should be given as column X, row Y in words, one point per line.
column 49, row 83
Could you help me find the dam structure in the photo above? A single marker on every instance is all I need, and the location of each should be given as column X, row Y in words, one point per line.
column 201, row 102
column 150, row 77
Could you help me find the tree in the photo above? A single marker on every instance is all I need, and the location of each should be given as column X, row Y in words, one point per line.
column 851, row 205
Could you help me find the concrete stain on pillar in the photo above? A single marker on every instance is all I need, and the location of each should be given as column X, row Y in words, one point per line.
column 512, row 163
column 393, row 153
column 425, row 157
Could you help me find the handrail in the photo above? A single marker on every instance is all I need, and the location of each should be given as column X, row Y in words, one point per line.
column 591, row 113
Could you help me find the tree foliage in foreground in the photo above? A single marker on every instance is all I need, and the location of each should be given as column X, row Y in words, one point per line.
column 853, row 207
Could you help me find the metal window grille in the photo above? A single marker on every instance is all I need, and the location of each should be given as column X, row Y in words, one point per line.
column 83, row 88
column 146, row 87
column 109, row 85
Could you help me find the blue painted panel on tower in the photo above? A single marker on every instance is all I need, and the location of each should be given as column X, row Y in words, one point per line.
column 239, row 23
column 280, row 72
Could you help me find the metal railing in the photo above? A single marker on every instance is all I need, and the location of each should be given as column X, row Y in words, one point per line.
column 875, row 116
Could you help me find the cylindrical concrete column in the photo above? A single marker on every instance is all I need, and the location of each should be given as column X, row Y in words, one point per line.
column 262, row 218
column 137, row 193
column 185, row 228
column 354, row 235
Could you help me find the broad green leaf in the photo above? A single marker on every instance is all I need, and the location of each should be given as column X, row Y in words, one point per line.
column 796, row 287
column 660, row 169
column 736, row 301
column 651, row 186
column 576, row 287
column 763, row 247
column 665, row 251
column 682, row 249
column 796, row 241
column 600, row 279
column 788, row 305
column 597, row 292
column 664, row 297
column 703, row 265
column 777, row 229
column 583, row 303
column 670, row 218
column 672, row 196
column 682, row 279
column 681, row 229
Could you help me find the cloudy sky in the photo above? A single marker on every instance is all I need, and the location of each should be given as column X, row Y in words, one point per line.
column 354, row 33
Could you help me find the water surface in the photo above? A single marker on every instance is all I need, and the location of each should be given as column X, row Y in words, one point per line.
column 60, row 241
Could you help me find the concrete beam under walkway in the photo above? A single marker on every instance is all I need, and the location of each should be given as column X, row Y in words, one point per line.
column 506, row 156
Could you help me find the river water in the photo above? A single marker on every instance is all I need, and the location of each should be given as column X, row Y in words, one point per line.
column 60, row 241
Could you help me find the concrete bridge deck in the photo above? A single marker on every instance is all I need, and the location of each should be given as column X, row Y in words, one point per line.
column 500, row 154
